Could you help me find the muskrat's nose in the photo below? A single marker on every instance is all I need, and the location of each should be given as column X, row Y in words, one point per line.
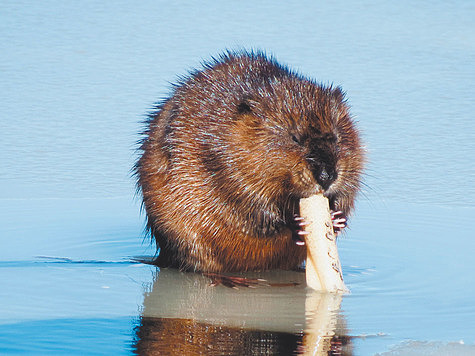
column 325, row 177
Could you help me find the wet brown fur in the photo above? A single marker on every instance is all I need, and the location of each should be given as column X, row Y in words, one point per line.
column 227, row 157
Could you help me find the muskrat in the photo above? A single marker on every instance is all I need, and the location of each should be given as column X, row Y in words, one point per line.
column 226, row 158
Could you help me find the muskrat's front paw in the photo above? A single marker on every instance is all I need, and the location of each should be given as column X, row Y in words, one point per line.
column 338, row 220
column 298, row 233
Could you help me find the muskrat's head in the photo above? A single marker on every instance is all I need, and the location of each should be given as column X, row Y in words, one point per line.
column 297, row 140
column 268, row 136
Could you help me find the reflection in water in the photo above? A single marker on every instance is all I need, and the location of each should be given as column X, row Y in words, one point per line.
column 184, row 315
column 166, row 336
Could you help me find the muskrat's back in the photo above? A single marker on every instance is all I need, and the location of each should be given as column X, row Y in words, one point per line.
column 228, row 156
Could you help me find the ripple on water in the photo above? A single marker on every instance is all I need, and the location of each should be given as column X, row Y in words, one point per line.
column 410, row 275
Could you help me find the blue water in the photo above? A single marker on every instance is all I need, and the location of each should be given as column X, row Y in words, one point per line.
column 78, row 78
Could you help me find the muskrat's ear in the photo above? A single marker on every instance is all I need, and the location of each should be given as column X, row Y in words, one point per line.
column 244, row 107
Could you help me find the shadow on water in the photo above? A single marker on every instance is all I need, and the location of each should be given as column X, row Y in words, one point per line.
column 184, row 314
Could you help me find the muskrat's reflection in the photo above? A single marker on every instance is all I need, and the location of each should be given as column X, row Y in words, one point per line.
column 184, row 315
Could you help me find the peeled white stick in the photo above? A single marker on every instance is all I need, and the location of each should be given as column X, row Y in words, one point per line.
column 323, row 268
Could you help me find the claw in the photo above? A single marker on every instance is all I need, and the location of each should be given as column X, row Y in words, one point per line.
column 338, row 221
column 298, row 233
column 336, row 213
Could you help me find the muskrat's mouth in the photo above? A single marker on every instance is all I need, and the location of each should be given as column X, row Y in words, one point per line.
column 312, row 190
column 331, row 199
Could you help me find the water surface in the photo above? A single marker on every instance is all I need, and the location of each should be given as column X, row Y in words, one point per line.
column 77, row 80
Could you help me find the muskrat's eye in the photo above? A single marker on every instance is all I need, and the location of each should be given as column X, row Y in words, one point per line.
column 295, row 139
